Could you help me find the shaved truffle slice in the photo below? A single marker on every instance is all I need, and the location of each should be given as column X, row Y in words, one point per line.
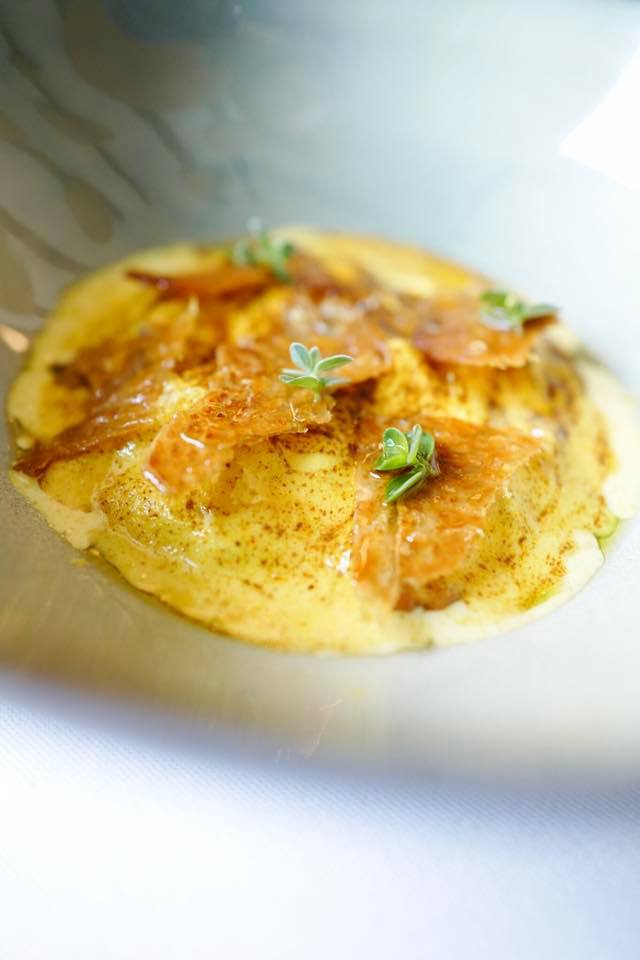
column 193, row 446
column 453, row 331
column 398, row 551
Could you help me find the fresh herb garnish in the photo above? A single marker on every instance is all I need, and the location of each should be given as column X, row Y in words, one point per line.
column 412, row 454
column 506, row 311
column 263, row 250
column 310, row 369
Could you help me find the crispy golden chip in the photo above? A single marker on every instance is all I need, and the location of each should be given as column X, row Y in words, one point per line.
column 400, row 548
column 452, row 331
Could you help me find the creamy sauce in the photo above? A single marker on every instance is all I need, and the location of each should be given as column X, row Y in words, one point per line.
column 79, row 527
column 622, row 487
column 264, row 552
column 461, row 623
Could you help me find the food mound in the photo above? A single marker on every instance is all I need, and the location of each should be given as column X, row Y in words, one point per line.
column 318, row 442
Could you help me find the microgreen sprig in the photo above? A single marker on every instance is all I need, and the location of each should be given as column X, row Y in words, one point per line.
column 503, row 310
column 311, row 367
column 412, row 454
column 263, row 250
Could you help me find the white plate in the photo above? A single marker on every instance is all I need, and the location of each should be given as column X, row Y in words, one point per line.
column 502, row 135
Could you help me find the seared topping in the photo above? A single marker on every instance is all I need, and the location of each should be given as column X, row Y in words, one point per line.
column 227, row 281
column 160, row 342
column 234, row 327
column 247, row 400
column 335, row 326
column 191, row 449
column 263, row 345
column 123, row 415
column 123, row 380
column 254, row 264
column 457, row 331
column 398, row 549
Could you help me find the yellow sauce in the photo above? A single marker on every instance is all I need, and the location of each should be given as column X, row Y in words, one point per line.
column 263, row 554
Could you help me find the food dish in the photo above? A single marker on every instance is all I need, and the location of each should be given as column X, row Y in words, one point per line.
column 156, row 428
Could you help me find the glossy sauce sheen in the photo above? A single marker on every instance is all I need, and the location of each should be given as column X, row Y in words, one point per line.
column 257, row 540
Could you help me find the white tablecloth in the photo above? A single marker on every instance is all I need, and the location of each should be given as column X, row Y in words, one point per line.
column 120, row 843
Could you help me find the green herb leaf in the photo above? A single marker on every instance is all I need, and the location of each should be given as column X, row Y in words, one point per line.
column 264, row 250
column 300, row 356
column 307, row 383
column 427, row 447
column 403, row 483
column 242, row 253
column 395, row 450
column 334, row 381
column 330, row 363
column 395, row 437
column 503, row 310
column 498, row 298
column 412, row 455
column 394, row 461
column 314, row 357
column 414, row 437
column 311, row 365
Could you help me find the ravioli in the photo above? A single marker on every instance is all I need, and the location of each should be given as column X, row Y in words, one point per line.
column 155, row 429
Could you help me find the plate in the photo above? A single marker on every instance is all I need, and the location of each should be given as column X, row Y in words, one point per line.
column 504, row 147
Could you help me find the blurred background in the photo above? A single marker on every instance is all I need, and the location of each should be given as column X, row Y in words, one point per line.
column 489, row 131
column 503, row 134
